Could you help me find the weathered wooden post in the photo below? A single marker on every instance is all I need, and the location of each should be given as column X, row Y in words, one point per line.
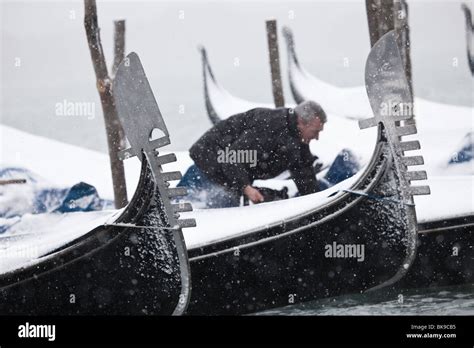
column 114, row 131
column 400, row 19
column 119, row 55
column 277, row 87
column 119, row 44
column 380, row 18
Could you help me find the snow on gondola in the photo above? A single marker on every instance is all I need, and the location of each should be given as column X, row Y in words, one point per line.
column 133, row 261
column 220, row 104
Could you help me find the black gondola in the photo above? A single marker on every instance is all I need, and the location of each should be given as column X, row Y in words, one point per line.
column 135, row 265
column 445, row 254
column 286, row 261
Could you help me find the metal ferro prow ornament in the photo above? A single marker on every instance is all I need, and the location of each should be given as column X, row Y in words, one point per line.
column 146, row 132
column 392, row 105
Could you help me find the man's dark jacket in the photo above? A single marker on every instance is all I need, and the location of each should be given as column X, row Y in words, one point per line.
column 273, row 133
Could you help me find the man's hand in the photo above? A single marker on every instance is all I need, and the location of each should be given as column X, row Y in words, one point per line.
column 253, row 194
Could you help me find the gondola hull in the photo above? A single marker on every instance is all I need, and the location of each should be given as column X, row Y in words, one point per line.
column 445, row 254
column 298, row 261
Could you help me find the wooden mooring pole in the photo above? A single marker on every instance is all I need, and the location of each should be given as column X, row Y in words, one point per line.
column 274, row 55
column 113, row 127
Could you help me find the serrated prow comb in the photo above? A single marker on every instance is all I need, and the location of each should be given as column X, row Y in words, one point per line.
column 146, row 132
column 392, row 105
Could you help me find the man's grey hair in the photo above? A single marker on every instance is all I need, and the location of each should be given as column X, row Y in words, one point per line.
column 309, row 110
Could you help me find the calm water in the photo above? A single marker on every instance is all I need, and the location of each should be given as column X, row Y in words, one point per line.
column 457, row 300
